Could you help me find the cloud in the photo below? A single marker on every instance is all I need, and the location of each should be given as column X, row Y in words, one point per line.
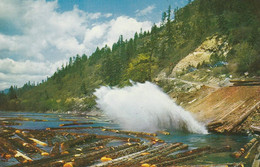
column 35, row 35
column 109, row 32
column 18, row 72
column 145, row 11
column 108, row 15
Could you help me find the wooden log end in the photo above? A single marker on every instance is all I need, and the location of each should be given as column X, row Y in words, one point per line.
column 145, row 153
column 64, row 152
column 68, row 164
column 7, row 156
column 105, row 159
column 17, row 131
column 45, row 154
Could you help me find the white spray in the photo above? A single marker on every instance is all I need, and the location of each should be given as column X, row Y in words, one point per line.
column 145, row 107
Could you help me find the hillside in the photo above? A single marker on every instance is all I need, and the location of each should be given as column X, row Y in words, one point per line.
column 205, row 42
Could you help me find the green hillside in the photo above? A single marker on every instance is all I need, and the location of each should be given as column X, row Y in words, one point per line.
column 147, row 53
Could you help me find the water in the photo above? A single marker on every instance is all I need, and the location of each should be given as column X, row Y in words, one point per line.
column 194, row 140
column 141, row 107
column 145, row 107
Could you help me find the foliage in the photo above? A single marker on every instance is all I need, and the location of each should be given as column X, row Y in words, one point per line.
column 71, row 87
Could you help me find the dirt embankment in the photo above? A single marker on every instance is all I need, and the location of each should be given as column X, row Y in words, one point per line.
column 227, row 109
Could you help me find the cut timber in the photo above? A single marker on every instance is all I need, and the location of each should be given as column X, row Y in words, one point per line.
column 76, row 123
column 130, row 132
column 38, row 142
column 155, row 151
column 119, row 138
column 245, row 148
column 127, row 151
column 164, row 153
column 55, row 151
column 75, row 128
column 27, row 147
column 10, row 149
column 214, row 165
column 194, row 151
column 70, row 143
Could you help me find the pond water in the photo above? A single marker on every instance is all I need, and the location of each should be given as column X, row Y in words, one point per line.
column 52, row 120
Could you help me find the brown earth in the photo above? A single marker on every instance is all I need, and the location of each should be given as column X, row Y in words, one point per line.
column 227, row 109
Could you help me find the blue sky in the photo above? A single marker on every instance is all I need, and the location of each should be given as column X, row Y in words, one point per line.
column 38, row 36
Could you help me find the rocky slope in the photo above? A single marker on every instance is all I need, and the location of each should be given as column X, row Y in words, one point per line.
column 210, row 95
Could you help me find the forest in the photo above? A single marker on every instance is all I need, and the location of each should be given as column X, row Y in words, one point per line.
column 142, row 57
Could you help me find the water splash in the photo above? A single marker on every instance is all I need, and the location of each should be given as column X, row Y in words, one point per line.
column 145, row 107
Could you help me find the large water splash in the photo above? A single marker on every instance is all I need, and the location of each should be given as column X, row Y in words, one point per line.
column 145, row 107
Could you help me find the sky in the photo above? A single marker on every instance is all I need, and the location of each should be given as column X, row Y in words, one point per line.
column 38, row 36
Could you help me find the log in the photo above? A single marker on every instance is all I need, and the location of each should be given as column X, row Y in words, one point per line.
column 130, row 132
column 89, row 158
column 122, row 160
column 55, row 151
column 21, row 144
column 194, row 151
column 249, row 151
column 38, row 142
column 127, row 151
column 182, row 159
column 163, row 132
column 70, row 143
column 214, row 165
column 79, row 159
column 119, row 138
column 162, row 155
column 242, row 117
column 76, row 123
column 149, row 153
column 74, row 128
column 10, row 149
column 31, row 145
column 238, row 154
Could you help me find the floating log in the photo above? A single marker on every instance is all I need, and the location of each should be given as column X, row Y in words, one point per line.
column 55, row 151
column 75, row 128
column 130, row 132
column 70, row 143
column 6, row 123
column 194, row 151
column 163, row 132
column 214, row 165
column 124, row 159
column 32, row 145
column 249, row 151
column 89, row 158
column 242, row 150
column 255, row 129
column 127, row 151
column 161, row 155
column 38, row 142
column 152, row 152
column 76, row 123
column 10, row 149
column 183, row 157
column 119, row 138
column 21, row 144
column 25, row 138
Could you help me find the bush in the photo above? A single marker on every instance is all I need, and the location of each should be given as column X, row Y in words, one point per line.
column 245, row 56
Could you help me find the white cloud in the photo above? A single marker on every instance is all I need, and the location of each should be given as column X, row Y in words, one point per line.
column 43, row 37
column 108, row 15
column 109, row 32
column 145, row 11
